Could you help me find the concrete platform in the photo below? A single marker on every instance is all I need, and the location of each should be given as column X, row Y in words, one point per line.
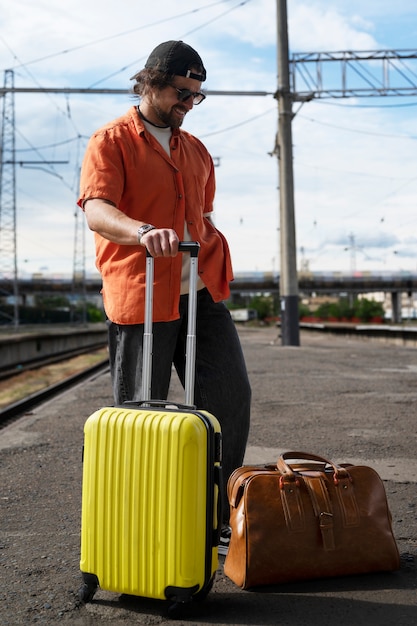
column 346, row 399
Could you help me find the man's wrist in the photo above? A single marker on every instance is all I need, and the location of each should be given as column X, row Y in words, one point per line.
column 143, row 230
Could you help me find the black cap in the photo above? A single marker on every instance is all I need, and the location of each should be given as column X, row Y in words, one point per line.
column 176, row 57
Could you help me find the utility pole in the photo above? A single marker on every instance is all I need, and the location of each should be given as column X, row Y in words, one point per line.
column 290, row 335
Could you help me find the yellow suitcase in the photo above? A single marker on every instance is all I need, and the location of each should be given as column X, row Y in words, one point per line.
column 151, row 514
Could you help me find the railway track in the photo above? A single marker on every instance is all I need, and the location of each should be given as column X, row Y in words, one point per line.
column 17, row 409
column 14, row 410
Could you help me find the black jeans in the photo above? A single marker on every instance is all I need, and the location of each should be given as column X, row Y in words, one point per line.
column 221, row 382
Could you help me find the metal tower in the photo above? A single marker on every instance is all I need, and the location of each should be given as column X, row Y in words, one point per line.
column 9, row 294
column 78, row 272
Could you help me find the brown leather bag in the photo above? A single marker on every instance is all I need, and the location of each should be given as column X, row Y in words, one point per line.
column 306, row 519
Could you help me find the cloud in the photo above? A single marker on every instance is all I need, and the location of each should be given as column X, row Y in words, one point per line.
column 363, row 241
column 353, row 166
column 316, row 27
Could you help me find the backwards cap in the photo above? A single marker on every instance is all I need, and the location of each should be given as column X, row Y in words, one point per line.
column 176, row 57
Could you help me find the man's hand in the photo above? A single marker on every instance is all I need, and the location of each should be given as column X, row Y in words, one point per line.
column 161, row 242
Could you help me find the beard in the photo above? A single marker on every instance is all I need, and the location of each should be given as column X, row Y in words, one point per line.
column 170, row 118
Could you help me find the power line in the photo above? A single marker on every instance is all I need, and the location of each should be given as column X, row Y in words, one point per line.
column 356, row 130
column 104, row 91
column 110, row 37
column 367, row 106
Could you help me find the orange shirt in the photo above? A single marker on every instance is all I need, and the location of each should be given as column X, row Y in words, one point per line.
column 126, row 165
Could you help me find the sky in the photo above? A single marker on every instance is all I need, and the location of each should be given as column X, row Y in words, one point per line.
column 354, row 158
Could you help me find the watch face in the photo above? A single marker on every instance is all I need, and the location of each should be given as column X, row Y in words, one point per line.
column 142, row 230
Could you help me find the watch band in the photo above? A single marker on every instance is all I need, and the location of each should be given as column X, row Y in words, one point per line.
column 143, row 230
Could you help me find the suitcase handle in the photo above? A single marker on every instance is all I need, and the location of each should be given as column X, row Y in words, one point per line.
column 192, row 247
column 166, row 404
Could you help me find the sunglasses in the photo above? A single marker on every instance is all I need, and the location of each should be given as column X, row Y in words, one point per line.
column 184, row 94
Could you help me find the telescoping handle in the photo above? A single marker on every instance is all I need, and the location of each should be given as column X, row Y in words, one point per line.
column 192, row 248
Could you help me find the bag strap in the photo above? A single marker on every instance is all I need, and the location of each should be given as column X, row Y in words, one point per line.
column 342, row 479
column 345, row 492
column 292, row 505
column 322, row 507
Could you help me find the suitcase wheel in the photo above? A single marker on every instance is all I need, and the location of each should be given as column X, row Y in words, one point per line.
column 201, row 595
column 177, row 608
column 88, row 588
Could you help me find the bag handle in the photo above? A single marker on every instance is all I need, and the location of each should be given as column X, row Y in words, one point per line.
column 288, row 472
column 341, row 478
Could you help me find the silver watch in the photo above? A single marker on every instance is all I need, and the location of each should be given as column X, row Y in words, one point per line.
column 143, row 230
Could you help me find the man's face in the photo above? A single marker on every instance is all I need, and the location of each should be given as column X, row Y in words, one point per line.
column 166, row 105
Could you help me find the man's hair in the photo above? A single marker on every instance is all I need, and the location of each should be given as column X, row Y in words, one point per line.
column 148, row 79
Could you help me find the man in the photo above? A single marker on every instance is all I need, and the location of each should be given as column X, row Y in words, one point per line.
column 147, row 184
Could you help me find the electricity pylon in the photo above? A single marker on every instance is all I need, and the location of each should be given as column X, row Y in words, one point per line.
column 9, row 293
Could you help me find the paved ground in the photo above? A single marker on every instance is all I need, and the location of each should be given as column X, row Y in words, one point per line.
column 348, row 400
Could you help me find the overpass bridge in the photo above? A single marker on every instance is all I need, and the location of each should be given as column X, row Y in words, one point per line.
column 312, row 284
column 245, row 284
column 334, row 283
column 309, row 282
